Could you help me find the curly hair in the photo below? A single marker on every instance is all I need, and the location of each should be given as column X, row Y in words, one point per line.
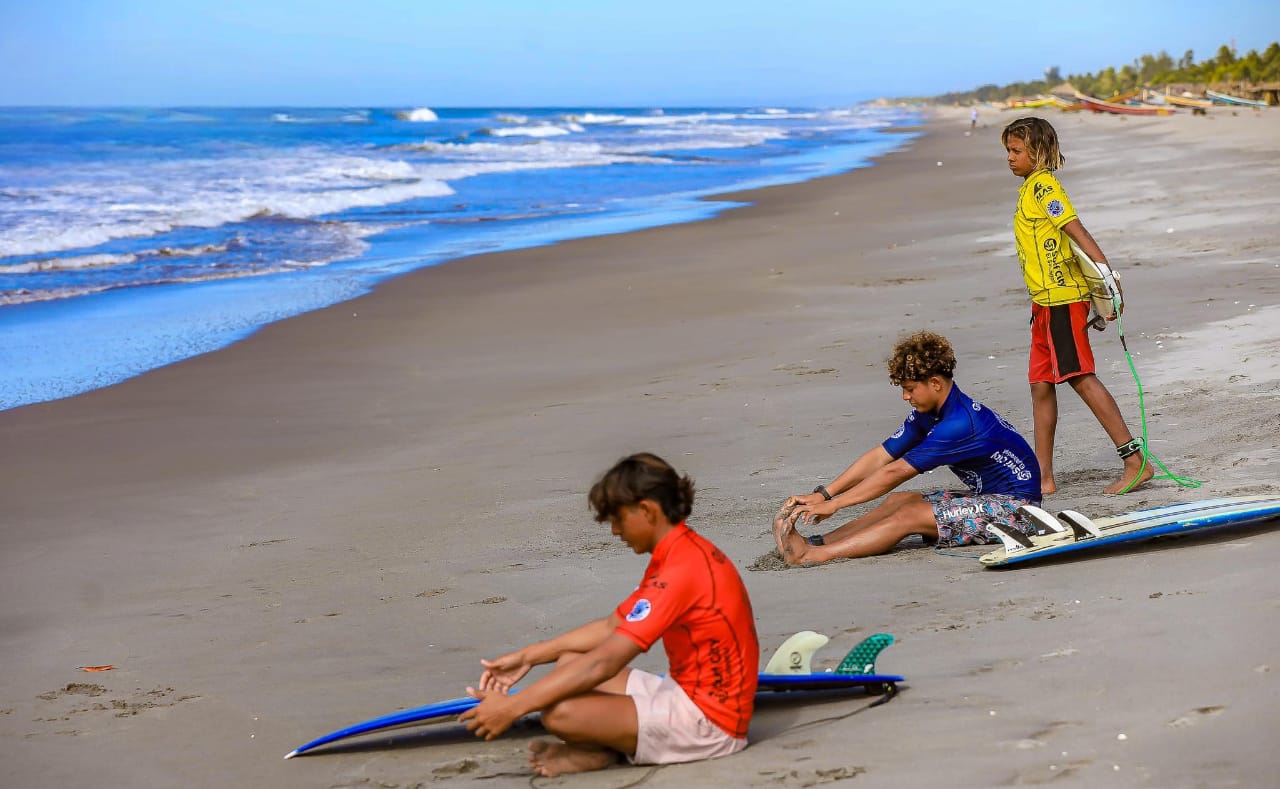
column 919, row 356
column 1041, row 141
column 636, row 478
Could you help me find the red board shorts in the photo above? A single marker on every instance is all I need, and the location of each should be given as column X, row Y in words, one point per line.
column 1059, row 343
column 671, row 727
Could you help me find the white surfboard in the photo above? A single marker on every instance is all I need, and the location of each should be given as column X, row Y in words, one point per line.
column 1085, row 533
column 1104, row 287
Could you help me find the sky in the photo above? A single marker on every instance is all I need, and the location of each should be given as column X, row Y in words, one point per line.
column 575, row 53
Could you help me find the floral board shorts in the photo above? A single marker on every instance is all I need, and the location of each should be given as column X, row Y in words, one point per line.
column 963, row 516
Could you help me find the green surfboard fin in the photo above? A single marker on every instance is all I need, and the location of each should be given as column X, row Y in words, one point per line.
column 862, row 658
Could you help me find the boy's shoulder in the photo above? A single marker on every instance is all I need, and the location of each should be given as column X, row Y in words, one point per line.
column 1043, row 183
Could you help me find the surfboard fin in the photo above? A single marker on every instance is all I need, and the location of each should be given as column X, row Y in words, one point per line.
column 1044, row 522
column 1081, row 527
column 795, row 656
column 1104, row 287
column 862, row 658
column 1014, row 541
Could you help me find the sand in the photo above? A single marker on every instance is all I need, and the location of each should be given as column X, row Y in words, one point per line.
column 339, row 516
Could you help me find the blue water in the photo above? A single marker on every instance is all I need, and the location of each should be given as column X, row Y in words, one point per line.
column 134, row 238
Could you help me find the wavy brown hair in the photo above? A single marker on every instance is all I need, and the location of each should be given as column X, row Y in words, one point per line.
column 636, row 478
column 1041, row 141
column 918, row 356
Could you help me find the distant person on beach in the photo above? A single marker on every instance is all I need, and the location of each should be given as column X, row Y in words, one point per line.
column 947, row 428
column 973, row 119
column 1044, row 224
column 690, row 596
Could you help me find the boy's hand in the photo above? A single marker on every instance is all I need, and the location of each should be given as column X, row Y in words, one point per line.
column 492, row 716
column 802, row 499
column 501, row 673
column 813, row 513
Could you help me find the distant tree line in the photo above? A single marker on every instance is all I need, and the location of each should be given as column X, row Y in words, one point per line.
column 1147, row 71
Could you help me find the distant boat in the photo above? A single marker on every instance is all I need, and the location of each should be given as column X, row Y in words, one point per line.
column 1098, row 105
column 1067, row 106
column 1223, row 98
column 1123, row 98
column 1030, row 104
column 1187, row 101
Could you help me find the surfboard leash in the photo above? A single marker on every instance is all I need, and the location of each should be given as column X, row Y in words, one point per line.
column 1185, row 482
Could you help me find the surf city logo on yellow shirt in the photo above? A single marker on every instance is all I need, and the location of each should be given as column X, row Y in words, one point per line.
column 1054, row 263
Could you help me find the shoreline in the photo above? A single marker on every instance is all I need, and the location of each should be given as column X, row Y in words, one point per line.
column 338, row 516
column 180, row 320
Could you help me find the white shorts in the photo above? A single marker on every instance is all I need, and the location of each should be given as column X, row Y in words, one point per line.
column 671, row 727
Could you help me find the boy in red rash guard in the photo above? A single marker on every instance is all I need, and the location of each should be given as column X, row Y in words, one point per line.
column 691, row 597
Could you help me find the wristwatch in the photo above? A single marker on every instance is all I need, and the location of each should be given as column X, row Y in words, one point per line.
column 823, row 490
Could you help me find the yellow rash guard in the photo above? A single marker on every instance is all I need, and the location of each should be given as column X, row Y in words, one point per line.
column 1044, row 250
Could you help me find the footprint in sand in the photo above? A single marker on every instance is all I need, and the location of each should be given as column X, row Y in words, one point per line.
column 132, row 704
column 806, row 778
column 1194, row 716
column 460, row 767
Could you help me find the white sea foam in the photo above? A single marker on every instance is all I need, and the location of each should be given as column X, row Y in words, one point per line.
column 112, row 202
column 73, row 263
column 419, row 115
column 710, row 136
column 540, row 130
column 477, row 158
column 349, row 244
column 24, row 296
column 595, row 118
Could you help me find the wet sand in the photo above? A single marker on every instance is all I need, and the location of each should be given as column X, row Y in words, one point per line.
column 339, row 516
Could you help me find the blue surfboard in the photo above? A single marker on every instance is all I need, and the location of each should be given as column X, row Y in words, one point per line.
column 1075, row 532
column 769, row 684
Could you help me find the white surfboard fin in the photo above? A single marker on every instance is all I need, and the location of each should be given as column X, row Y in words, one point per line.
column 795, row 656
column 1014, row 541
column 1081, row 527
column 1104, row 286
column 1043, row 521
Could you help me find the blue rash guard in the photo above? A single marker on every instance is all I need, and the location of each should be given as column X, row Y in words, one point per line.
column 982, row 449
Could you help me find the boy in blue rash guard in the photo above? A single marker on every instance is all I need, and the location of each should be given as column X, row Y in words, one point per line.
column 946, row 427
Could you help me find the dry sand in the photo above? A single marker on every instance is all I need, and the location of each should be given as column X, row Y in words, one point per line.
column 339, row 516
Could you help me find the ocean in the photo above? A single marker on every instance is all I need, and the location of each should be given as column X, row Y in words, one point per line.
column 135, row 238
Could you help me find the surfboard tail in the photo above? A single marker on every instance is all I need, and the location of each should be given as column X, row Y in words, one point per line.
column 1013, row 540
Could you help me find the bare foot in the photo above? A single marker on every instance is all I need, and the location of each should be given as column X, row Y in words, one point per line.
column 791, row 545
column 550, row 758
column 1134, row 468
column 781, row 522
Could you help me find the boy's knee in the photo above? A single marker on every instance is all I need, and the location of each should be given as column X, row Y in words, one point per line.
column 569, row 718
column 555, row 718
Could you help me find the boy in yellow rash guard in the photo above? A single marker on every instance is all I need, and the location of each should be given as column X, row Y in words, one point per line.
column 1044, row 224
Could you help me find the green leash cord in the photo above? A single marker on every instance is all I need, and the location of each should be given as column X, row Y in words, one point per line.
column 1185, row 482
